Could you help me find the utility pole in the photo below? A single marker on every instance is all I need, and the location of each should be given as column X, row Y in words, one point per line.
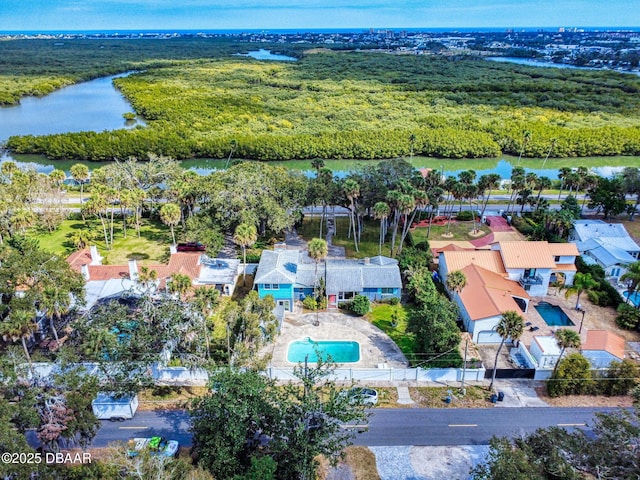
column 464, row 364
column 228, row 346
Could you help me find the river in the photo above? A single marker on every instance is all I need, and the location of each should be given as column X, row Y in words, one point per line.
column 97, row 105
column 543, row 64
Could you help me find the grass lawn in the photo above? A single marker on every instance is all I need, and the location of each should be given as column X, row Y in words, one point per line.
column 433, row 397
column 368, row 246
column 380, row 316
column 151, row 247
column 460, row 231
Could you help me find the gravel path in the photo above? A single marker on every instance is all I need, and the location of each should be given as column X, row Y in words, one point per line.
column 394, row 463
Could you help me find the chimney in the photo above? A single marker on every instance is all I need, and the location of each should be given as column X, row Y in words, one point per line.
column 367, row 260
column 84, row 269
column 173, row 248
column 96, row 259
column 133, row 270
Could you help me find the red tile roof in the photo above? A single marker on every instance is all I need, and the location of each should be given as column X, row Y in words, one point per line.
column 606, row 341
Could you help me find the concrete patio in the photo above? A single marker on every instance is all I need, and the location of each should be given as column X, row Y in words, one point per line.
column 375, row 347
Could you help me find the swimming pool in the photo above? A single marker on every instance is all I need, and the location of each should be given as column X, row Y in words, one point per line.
column 339, row 351
column 553, row 315
column 634, row 297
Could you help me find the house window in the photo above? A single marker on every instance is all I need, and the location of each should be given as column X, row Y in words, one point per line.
column 529, row 272
column 527, row 287
column 346, row 295
column 387, row 291
column 270, row 286
column 556, row 258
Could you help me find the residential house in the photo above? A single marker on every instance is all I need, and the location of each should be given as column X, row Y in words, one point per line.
column 290, row 275
column 504, row 278
column 545, row 350
column 606, row 244
column 107, row 281
column 603, row 347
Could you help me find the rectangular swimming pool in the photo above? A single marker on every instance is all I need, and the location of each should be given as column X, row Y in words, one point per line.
column 633, row 297
column 553, row 315
column 340, row 351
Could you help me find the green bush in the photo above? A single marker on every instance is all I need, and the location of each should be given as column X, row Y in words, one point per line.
column 628, row 317
column 360, row 305
column 464, row 216
column 573, row 377
column 390, row 301
column 621, row 378
column 310, row 303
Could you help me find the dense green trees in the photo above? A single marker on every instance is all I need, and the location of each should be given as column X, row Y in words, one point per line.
column 248, row 425
column 354, row 105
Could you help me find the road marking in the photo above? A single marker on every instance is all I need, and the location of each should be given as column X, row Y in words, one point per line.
column 463, row 424
column 572, row 424
column 132, row 428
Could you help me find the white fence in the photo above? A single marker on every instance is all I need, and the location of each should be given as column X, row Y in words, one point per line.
column 437, row 375
column 181, row 376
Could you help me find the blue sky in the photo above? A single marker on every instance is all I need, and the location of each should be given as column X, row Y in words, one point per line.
column 307, row 14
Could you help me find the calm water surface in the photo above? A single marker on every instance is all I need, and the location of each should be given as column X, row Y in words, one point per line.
column 89, row 106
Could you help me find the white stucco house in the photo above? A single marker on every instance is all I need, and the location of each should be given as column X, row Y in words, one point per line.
column 603, row 347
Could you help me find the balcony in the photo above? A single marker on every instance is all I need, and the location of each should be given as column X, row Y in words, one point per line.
column 535, row 280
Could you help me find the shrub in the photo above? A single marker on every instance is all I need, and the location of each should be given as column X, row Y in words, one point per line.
column 464, row 216
column 360, row 305
column 573, row 377
column 621, row 378
column 310, row 303
column 344, row 306
column 628, row 317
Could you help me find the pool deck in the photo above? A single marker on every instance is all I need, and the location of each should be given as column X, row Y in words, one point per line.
column 375, row 347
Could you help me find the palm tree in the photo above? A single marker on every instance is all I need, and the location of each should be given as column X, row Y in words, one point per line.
column 318, row 251
column 565, row 338
column 170, row 214
column 563, row 173
column 487, row 182
column 632, row 277
column 381, row 212
column 631, row 186
column 179, row 284
column 57, row 177
column 245, row 235
column 541, row 183
column 55, row 301
column 351, row 190
column 19, row 325
column 581, row 282
column 456, row 281
column 553, row 143
column 80, row 173
column 510, row 326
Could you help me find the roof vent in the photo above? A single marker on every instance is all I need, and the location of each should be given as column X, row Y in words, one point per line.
column 367, row 260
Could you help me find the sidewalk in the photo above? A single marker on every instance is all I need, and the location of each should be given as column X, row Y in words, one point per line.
column 518, row 393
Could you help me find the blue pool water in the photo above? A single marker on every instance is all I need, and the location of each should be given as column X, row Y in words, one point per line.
column 340, row 351
column 553, row 315
column 634, row 297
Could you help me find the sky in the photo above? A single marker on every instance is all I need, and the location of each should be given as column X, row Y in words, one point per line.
column 70, row 15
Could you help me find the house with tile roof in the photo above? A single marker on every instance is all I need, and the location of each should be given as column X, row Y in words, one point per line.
column 290, row 275
column 606, row 244
column 109, row 281
column 504, row 278
column 603, row 347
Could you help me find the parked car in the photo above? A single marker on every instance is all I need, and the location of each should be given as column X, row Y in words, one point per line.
column 155, row 445
column 191, row 247
column 366, row 396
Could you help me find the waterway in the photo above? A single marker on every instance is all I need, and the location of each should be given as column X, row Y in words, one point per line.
column 541, row 63
column 263, row 54
column 97, row 106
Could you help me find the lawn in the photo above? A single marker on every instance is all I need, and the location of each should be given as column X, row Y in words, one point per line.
column 369, row 243
column 151, row 247
column 460, row 231
column 381, row 316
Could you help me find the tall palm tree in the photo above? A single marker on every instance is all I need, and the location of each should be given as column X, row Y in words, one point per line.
column 487, row 182
column 170, row 215
column 381, row 212
column 80, row 174
column 541, row 183
column 351, row 190
column 563, row 173
column 526, row 137
column 510, row 326
column 318, row 251
column 631, row 186
column 565, row 338
column 581, row 282
column 245, row 235
column 553, row 144
column 456, row 281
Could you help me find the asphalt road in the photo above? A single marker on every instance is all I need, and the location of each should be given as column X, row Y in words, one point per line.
column 387, row 427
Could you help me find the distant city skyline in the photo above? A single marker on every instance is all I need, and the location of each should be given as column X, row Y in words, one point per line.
column 82, row 15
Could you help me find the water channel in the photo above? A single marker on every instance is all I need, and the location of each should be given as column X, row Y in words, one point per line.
column 97, row 105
